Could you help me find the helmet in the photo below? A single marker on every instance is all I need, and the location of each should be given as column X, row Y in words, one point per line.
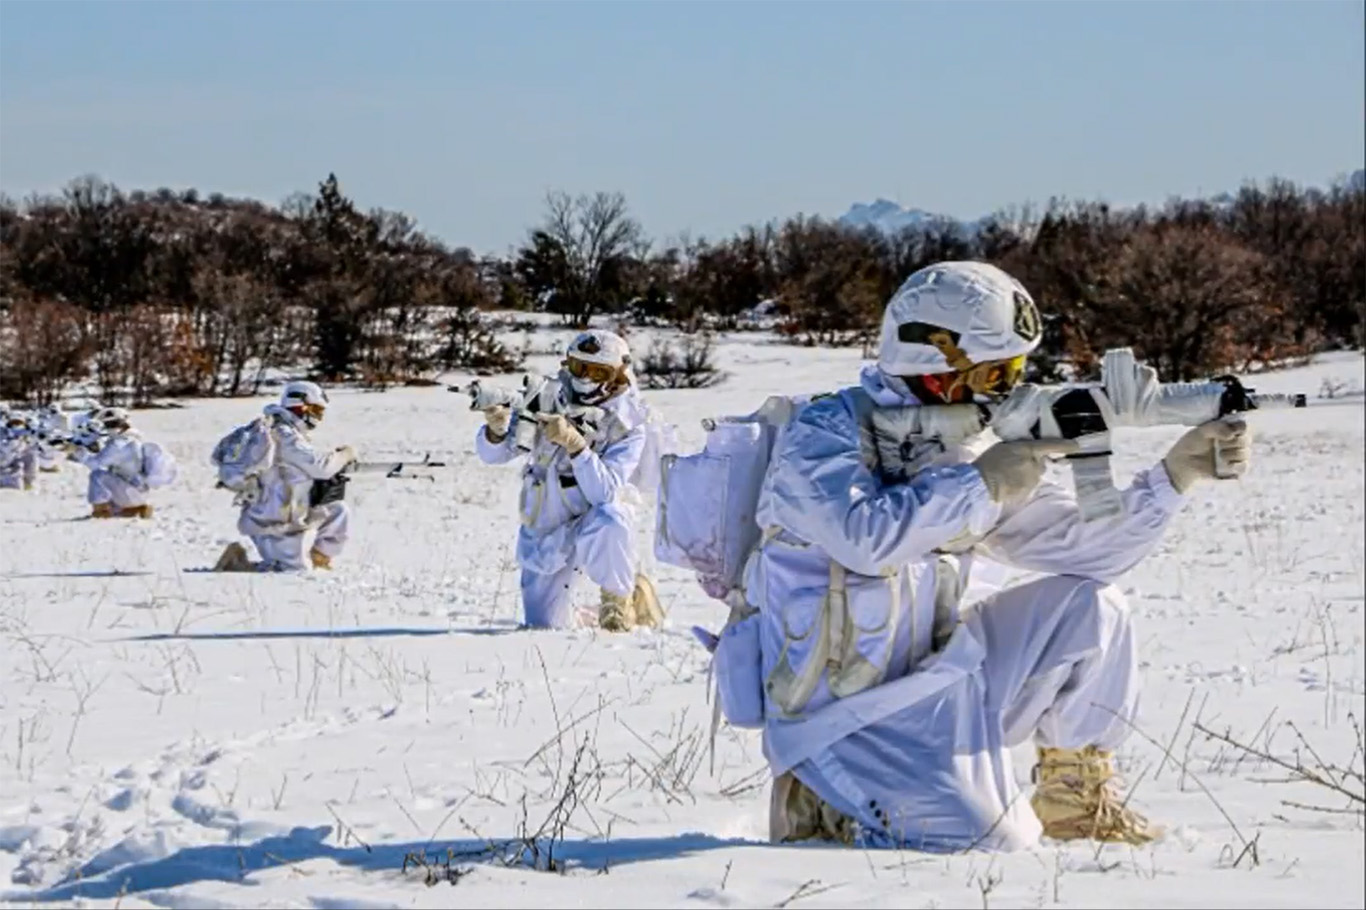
column 112, row 418
column 306, row 399
column 598, row 366
column 16, row 423
column 963, row 327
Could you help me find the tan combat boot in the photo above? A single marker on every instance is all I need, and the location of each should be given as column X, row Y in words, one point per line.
column 234, row 559
column 645, row 604
column 102, row 510
column 144, row 511
column 319, row 559
column 796, row 813
column 1076, row 798
column 615, row 613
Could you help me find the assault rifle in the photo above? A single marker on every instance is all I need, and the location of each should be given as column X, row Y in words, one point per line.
column 391, row 469
column 538, row 399
column 333, row 489
column 1128, row 395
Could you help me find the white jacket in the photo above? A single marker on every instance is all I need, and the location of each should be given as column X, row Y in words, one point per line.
column 282, row 506
column 120, row 456
column 557, row 489
column 832, row 523
column 18, row 459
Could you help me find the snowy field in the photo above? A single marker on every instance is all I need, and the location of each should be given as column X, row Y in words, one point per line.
column 174, row 738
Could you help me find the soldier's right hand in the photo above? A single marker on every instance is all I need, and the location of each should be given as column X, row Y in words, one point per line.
column 1011, row 470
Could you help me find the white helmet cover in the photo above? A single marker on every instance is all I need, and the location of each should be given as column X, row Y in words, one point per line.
column 107, row 416
column 308, row 395
column 951, row 315
column 601, row 347
column 302, row 392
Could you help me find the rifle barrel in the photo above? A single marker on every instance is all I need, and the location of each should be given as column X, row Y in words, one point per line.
column 1274, row 400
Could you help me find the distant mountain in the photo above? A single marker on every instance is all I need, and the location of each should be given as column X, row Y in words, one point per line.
column 885, row 215
column 890, row 218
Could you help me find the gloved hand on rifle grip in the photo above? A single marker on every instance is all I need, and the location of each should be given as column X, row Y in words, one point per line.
column 561, row 432
column 1192, row 457
column 497, row 419
column 1011, row 470
column 348, row 456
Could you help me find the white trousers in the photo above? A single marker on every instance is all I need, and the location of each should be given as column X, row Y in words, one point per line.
column 105, row 487
column 286, row 552
column 602, row 548
column 1059, row 668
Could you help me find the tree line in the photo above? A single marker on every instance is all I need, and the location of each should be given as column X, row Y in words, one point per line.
column 170, row 293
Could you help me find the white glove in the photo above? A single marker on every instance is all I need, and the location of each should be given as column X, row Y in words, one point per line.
column 1011, row 470
column 561, row 432
column 348, row 455
column 1192, row 457
column 497, row 419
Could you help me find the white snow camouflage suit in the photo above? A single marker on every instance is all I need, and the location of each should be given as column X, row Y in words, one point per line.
column 916, row 750
column 280, row 517
column 116, row 477
column 18, row 460
column 577, row 513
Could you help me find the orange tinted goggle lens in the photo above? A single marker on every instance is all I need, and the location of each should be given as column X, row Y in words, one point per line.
column 593, row 372
column 996, row 375
column 1011, row 371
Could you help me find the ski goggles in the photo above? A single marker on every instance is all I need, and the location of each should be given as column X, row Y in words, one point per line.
column 992, row 378
column 593, row 372
column 995, row 376
column 311, row 412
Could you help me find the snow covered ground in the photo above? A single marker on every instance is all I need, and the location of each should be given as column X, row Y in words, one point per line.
column 174, row 738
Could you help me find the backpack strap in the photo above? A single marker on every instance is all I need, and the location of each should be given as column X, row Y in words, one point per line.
column 835, row 653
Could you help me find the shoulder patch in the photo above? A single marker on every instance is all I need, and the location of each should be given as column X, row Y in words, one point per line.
column 1027, row 323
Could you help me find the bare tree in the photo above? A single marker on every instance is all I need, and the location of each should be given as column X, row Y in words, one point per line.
column 577, row 260
column 1186, row 297
column 42, row 347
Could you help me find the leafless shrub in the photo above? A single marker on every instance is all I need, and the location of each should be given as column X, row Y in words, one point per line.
column 1305, row 765
column 688, row 365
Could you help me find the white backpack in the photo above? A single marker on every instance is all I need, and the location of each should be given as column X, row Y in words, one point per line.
column 243, row 455
column 158, row 466
column 706, row 522
column 707, row 500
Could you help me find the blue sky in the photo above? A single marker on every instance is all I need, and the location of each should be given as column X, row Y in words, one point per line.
column 707, row 115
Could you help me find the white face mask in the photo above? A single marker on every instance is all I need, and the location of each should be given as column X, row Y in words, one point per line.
column 582, row 391
column 583, row 386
